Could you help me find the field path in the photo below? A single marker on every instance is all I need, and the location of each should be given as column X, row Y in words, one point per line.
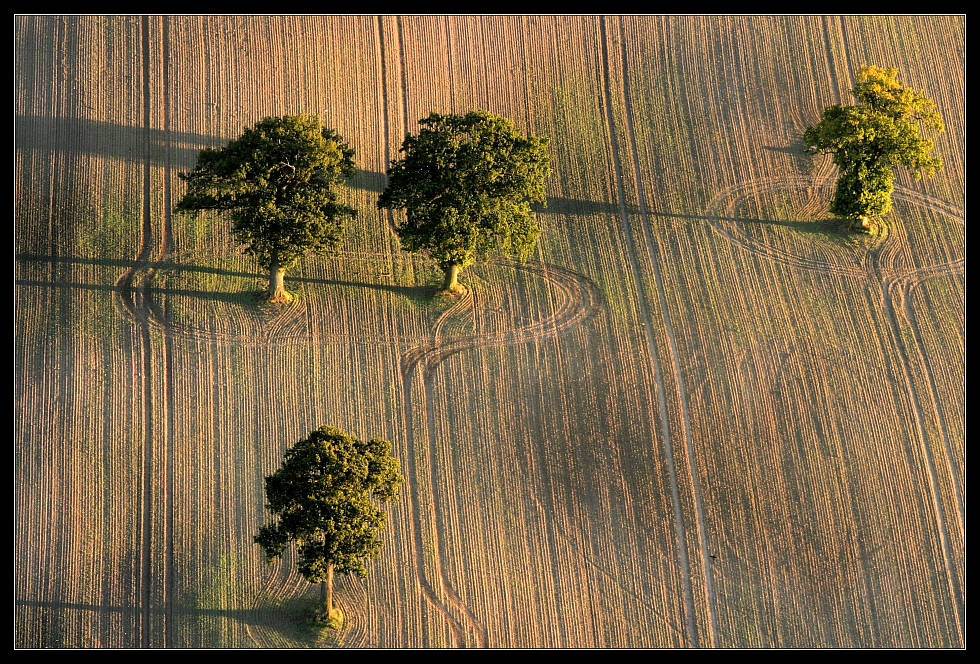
column 895, row 295
column 135, row 302
column 579, row 299
column 650, row 327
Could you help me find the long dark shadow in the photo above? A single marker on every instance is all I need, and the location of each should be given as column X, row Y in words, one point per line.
column 238, row 614
column 253, row 617
column 415, row 292
column 828, row 226
column 79, row 136
column 130, row 263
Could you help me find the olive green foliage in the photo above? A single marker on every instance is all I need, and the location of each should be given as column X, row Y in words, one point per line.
column 864, row 189
column 883, row 130
column 466, row 183
column 276, row 181
column 324, row 497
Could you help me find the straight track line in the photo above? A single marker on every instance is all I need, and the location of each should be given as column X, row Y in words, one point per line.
column 166, row 250
column 674, row 353
column 679, row 527
column 146, row 529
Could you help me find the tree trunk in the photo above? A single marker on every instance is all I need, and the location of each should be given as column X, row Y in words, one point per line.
column 451, row 283
column 862, row 224
column 326, row 591
column 277, row 285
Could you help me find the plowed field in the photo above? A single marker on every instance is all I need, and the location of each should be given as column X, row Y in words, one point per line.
column 698, row 416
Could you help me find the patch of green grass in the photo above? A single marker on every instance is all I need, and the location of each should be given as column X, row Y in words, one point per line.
column 212, row 599
column 106, row 232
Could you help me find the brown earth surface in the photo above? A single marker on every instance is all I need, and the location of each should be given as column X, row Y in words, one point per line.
column 702, row 415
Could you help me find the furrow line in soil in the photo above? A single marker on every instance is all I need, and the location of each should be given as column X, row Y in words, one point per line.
column 412, row 475
column 168, row 400
column 146, row 480
column 898, row 289
column 911, row 322
column 890, row 290
column 701, row 527
column 662, row 415
column 427, row 587
column 579, row 302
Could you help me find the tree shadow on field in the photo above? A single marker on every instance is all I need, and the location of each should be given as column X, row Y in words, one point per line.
column 803, row 161
column 826, row 227
column 830, row 227
column 158, row 147
column 287, row 619
column 243, row 297
column 179, row 150
column 574, row 206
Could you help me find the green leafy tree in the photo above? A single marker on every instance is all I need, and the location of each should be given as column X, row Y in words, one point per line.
column 466, row 183
column 864, row 189
column 276, row 181
column 883, row 130
column 324, row 496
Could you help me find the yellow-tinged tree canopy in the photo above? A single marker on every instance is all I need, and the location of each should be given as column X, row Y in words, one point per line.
column 884, row 129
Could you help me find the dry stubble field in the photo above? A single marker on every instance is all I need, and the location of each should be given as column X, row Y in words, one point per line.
column 698, row 417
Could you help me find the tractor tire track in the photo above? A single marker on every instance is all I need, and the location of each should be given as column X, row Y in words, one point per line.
column 880, row 266
column 556, row 537
column 166, row 251
column 722, row 217
column 268, row 626
column 461, row 305
column 425, row 584
column 146, row 483
column 149, row 451
column 899, row 289
column 662, row 415
column 571, row 545
column 581, row 298
column 680, row 392
column 429, row 356
column 911, row 323
column 133, row 300
column 427, row 587
column 896, row 289
column 722, row 210
column 266, row 609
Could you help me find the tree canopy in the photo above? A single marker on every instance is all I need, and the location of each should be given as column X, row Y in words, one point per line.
column 276, row 181
column 324, row 499
column 883, row 130
column 466, row 183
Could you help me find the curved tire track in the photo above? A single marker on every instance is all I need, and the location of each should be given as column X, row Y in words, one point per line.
column 575, row 297
column 880, row 267
column 724, row 205
column 129, row 299
column 580, row 299
column 269, row 626
column 721, row 211
column 898, row 289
